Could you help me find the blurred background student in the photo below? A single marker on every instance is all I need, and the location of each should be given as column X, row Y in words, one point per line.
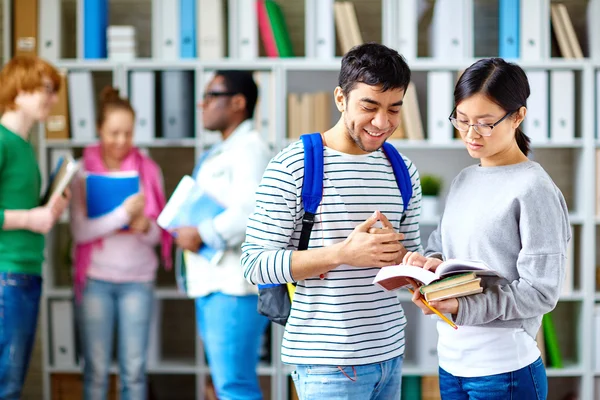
column 114, row 267
column 28, row 87
column 230, row 327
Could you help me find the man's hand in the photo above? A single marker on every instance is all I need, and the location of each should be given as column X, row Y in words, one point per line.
column 140, row 224
column 188, row 238
column 389, row 228
column 362, row 249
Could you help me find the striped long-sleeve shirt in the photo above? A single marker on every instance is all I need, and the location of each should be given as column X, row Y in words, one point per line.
column 342, row 319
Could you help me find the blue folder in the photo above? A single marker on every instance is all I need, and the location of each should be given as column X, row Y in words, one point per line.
column 104, row 193
column 187, row 28
column 95, row 23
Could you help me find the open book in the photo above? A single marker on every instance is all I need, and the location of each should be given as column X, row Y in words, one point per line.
column 61, row 177
column 189, row 205
column 395, row 276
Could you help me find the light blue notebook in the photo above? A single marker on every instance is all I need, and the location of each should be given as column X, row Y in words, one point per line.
column 189, row 206
column 106, row 192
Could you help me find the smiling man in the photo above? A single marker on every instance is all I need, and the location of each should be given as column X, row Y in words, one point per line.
column 344, row 335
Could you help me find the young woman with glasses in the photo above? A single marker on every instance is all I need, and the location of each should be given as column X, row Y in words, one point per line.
column 507, row 212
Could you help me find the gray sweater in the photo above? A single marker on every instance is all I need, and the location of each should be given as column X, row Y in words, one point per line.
column 515, row 219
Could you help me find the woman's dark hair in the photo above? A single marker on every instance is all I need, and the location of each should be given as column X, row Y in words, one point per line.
column 373, row 64
column 503, row 83
column 110, row 100
column 241, row 82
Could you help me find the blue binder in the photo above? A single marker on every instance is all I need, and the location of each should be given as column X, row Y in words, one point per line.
column 508, row 28
column 95, row 22
column 104, row 193
column 187, row 26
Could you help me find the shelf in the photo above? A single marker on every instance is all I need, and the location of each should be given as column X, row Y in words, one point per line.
column 159, row 293
column 163, row 367
column 158, row 142
column 574, row 370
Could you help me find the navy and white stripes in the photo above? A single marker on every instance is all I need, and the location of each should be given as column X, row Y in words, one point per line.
column 342, row 319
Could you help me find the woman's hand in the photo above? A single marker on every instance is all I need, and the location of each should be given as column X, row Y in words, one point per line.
column 448, row 306
column 418, row 260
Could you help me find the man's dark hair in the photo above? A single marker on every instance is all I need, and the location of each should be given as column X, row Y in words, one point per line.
column 373, row 64
column 241, row 82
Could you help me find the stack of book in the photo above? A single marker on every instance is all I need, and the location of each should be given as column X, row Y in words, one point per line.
column 120, row 42
column 452, row 278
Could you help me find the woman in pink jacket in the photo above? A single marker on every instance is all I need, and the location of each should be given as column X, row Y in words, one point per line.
column 114, row 267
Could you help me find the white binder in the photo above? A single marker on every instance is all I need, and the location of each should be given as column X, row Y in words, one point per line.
column 142, row 93
column 562, row 106
column 407, row 22
column 82, row 106
column 62, row 333
column 534, row 30
column 165, row 29
column 49, row 46
column 210, row 32
column 452, row 30
column 440, row 100
column 264, row 115
column 535, row 124
column 593, row 27
column 243, row 29
column 319, row 35
column 154, row 337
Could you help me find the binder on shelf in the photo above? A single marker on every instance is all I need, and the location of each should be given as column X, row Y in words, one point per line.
column 50, row 17
column 95, row 22
column 562, row 106
column 25, row 28
column 569, row 281
column 62, row 332
column 243, row 35
column 154, row 338
column 440, row 87
column 509, row 28
column 534, row 30
column 165, row 29
column 82, row 105
column 408, row 21
column 211, row 34
column 597, row 337
column 452, row 29
column 265, row 113
column 536, row 120
column 319, row 35
column 57, row 123
column 143, row 99
column 187, row 28
column 177, row 103
column 593, row 28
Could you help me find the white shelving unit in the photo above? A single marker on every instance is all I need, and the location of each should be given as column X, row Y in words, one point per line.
column 571, row 164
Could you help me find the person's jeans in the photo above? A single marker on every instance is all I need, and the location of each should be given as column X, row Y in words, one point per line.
column 231, row 330
column 528, row 383
column 19, row 306
column 379, row 381
column 103, row 304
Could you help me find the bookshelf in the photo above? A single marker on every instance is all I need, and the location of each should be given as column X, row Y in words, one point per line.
column 178, row 370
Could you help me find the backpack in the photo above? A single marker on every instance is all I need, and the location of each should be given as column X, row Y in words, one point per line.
column 275, row 300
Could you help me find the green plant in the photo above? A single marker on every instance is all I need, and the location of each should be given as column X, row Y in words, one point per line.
column 431, row 185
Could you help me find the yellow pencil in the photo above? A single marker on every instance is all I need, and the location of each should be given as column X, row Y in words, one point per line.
column 439, row 314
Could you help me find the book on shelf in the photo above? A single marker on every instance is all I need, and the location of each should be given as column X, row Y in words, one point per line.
column 61, row 177
column 189, row 205
column 450, row 273
column 104, row 192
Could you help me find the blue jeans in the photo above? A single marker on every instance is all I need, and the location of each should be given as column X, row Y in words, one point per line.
column 528, row 383
column 19, row 306
column 380, row 381
column 130, row 306
column 231, row 330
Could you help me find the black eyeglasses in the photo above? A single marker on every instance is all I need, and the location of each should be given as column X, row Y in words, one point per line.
column 209, row 95
column 482, row 129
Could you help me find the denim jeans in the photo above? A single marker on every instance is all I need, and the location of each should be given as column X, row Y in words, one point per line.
column 130, row 306
column 528, row 383
column 19, row 306
column 380, row 381
column 231, row 330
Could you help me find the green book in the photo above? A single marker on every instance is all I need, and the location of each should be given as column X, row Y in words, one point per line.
column 552, row 347
column 280, row 31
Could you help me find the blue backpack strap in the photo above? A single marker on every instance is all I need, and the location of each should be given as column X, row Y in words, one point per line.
column 312, row 188
column 401, row 173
